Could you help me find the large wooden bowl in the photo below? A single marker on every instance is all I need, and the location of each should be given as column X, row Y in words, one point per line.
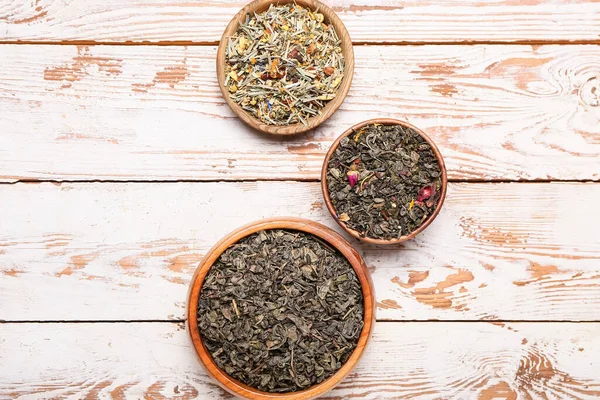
column 258, row 6
column 297, row 224
column 354, row 129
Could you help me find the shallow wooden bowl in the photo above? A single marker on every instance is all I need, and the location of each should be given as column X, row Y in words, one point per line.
column 384, row 121
column 258, row 6
column 329, row 236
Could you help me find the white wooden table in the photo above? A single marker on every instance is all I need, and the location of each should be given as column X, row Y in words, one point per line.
column 120, row 165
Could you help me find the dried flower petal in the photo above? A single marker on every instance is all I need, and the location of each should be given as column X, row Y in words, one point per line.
column 273, row 72
column 344, row 217
column 242, row 45
column 326, row 97
column 357, row 136
column 352, row 178
column 296, row 55
column 328, row 71
column 424, row 193
column 336, row 82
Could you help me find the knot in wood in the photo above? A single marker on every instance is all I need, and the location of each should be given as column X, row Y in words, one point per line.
column 589, row 92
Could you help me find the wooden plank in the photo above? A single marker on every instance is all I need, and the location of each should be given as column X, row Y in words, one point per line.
column 510, row 251
column 496, row 112
column 366, row 20
column 404, row 360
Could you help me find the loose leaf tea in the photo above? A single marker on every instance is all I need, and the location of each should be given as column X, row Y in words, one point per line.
column 384, row 181
column 284, row 65
column 280, row 311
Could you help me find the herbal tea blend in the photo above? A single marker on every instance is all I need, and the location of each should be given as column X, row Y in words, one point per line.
column 283, row 65
column 280, row 311
column 384, row 181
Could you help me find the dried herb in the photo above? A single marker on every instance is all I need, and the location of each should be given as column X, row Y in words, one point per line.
column 280, row 311
column 284, row 65
column 384, row 181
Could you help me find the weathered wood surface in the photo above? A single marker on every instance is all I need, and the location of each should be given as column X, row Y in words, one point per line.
column 405, row 360
column 126, row 251
column 151, row 112
column 120, row 251
column 367, row 20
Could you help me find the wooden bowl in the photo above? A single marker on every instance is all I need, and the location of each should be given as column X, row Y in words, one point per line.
column 329, row 236
column 258, row 6
column 384, row 121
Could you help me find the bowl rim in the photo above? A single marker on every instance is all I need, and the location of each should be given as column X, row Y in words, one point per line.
column 331, row 106
column 289, row 223
column 327, row 197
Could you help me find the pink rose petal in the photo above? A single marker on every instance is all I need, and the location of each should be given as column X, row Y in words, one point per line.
column 425, row 193
column 352, row 178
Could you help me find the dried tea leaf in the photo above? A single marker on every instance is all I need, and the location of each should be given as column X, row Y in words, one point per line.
column 384, row 181
column 286, row 64
column 280, row 311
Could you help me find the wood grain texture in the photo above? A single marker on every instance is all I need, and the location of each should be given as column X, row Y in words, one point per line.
column 512, row 251
column 156, row 113
column 367, row 20
column 414, row 360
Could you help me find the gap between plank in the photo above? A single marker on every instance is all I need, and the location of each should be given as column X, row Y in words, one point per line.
column 365, row 43
column 385, row 321
column 82, row 181
column 100, row 321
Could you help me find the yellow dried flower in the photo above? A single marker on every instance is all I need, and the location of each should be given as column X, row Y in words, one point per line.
column 358, row 135
column 242, row 44
column 337, row 82
column 326, row 97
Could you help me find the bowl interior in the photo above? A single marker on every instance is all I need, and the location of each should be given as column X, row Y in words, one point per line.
column 384, row 121
column 325, row 234
column 330, row 17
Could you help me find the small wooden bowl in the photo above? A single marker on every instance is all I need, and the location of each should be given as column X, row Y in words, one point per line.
column 329, row 236
column 258, row 6
column 384, row 121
